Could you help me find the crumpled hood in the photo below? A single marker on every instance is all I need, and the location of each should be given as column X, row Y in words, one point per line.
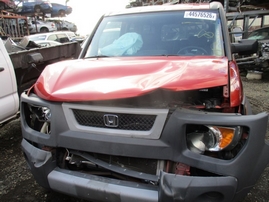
column 113, row 78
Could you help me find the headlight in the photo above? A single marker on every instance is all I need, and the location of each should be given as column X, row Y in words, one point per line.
column 43, row 114
column 213, row 138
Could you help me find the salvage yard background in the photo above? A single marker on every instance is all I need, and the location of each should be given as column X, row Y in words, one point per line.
column 17, row 183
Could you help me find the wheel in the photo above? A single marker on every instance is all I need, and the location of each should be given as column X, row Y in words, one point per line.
column 37, row 9
column 192, row 50
column 61, row 13
column 44, row 29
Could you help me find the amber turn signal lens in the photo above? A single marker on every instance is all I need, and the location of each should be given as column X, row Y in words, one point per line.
column 227, row 135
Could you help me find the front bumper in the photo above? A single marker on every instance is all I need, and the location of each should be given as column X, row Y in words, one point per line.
column 234, row 178
column 171, row 187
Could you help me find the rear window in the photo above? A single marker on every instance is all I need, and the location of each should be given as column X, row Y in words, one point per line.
column 62, row 38
column 162, row 33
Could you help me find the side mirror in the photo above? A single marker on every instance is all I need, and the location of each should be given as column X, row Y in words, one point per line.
column 245, row 47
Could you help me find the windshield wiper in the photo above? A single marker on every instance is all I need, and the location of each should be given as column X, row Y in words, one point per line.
column 98, row 56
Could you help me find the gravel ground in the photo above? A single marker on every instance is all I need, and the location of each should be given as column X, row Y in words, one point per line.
column 17, row 183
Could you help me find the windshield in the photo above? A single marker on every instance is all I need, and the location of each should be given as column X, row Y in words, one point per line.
column 162, row 33
column 259, row 34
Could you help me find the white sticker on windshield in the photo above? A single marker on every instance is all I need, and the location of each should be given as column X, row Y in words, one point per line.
column 200, row 15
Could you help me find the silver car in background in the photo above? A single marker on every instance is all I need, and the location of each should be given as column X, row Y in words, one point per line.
column 36, row 26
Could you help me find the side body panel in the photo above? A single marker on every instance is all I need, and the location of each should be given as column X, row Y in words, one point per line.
column 9, row 100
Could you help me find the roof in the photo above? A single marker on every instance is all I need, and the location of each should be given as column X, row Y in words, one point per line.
column 159, row 8
column 47, row 33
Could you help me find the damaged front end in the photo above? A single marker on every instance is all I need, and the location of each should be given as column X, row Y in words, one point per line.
column 147, row 126
column 162, row 143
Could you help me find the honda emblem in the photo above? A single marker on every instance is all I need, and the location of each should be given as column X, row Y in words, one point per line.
column 111, row 120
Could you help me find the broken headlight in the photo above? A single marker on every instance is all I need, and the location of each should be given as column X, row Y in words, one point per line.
column 43, row 114
column 213, row 138
column 38, row 117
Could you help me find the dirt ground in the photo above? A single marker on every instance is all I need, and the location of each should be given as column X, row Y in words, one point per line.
column 17, row 183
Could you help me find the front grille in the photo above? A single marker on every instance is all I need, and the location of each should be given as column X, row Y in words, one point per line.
column 135, row 122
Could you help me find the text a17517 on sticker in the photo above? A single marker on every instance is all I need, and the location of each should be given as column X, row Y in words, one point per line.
column 200, row 15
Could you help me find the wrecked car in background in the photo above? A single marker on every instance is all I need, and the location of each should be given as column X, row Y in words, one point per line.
column 153, row 110
column 259, row 61
column 39, row 26
column 35, row 6
column 59, row 10
column 7, row 5
column 63, row 25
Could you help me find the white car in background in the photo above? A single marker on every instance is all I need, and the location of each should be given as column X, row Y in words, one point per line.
column 59, row 36
column 47, row 43
column 36, row 26
column 63, row 25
